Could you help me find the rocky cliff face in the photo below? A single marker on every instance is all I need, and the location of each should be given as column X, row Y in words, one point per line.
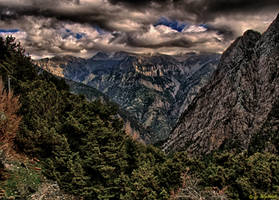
column 154, row 89
column 238, row 101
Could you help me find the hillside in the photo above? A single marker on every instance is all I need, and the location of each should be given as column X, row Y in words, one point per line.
column 239, row 102
column 154, row 89
column 131, row 125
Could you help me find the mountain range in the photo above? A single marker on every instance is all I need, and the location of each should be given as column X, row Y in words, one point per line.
column 155, row 90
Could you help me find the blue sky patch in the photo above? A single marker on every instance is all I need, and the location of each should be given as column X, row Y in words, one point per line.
column 178, row 26
column 79, row 35
column 71, row 33
column 9, row 30
column 99, row 30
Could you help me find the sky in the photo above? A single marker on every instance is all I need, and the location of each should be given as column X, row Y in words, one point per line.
column 80, row 28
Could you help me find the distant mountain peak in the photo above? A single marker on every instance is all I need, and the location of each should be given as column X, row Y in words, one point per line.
column 100, row 55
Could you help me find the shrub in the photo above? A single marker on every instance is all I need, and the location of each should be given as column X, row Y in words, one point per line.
column 9, row 120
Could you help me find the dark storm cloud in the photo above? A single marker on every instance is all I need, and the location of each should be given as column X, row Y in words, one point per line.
column 53, row 9
column 200, row 11
column 204, row 10
column 132, row 25
column 239, row 5
column 215, row 8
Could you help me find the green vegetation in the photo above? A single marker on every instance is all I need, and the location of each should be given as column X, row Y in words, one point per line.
column 243, row 175
column 22, row 179
column 92, row 94
column 83, row 147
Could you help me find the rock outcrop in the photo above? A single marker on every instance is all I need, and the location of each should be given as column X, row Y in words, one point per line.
column 233, row 107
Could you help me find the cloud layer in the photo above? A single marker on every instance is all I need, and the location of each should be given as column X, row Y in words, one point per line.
column 84, row 27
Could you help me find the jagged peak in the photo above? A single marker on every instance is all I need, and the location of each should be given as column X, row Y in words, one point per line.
column 274, row 26
column 100, row 55
column 246, row 41
column 250, row 37
column 242, row 47
column 270, row 37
